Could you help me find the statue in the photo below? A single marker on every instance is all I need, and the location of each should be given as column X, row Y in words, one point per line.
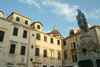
column 82, row 23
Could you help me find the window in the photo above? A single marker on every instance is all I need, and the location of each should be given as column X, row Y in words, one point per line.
column 45, row 53
column 38, row 36
column 65, row 55
column 37, row 52
column 25, row 34
column 12, row 48
column 45, row 38
column 23, row 50
column 74, row 44
column 52, row 66
column 17, row 19
column 38, row 26
column 52, row 54
column 44, row 66
column 51, row 40
column 73, row 58
column 15, row 31
column 58, row 41
column 59, row 56
column 64, row 42
column 1, row 35
column 26, row 22
column 9, row 66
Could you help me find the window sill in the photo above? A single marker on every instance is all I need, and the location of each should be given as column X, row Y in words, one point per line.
column 52, row 58
column 37, row 55
column 45, row 57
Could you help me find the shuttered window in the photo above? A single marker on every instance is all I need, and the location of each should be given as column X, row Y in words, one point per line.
column 26, row 22
column 12, row 48
column 64, row 42
column 15, row 32
column 65, row 55
column 58, row 41
column 51, row 40
column 45, row 38
column 17, row 19
column 73, row 58
column 25, row 34
column 37, row 52
column 1, row 35
column 45, row 53
column 38, row 36
column 59, row 56
column 23, row 50
column 38, row 26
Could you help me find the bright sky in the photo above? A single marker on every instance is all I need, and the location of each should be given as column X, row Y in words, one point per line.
column 61, row 12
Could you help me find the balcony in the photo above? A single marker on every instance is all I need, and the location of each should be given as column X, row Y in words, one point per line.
column 73, row 51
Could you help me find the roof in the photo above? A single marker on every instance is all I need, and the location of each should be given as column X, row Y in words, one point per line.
column 1, row 12
column 37, row 22
column 78, row 31
column 55, row 32
column 18, row 14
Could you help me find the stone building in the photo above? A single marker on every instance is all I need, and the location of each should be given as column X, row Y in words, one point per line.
column 23, row 44
column 71, row 42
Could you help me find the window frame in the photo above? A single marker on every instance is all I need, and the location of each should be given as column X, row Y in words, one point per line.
column 38, row 36
column 58, row 42
column 26, row 22
column 45, row 38
column 23, row 51
column 51, row 40
column 12, row 48
column 17, row 19
column 2, row 33
column 15, row 31
column 37, row 53
column 24, row 33
column 38, row 26
column 45, row 53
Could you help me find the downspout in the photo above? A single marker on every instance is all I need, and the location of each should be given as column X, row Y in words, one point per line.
column 28, row 47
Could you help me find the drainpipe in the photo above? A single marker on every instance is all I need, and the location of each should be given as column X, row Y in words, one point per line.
column 28, row 47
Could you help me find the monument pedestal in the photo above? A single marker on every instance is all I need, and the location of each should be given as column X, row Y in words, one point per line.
column 88, row 52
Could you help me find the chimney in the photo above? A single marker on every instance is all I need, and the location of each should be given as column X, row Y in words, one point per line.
column 1, row 13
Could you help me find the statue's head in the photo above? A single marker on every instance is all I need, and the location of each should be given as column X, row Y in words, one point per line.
column 78, row 11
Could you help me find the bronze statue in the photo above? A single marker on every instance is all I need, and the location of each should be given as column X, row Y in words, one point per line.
column 82, row 23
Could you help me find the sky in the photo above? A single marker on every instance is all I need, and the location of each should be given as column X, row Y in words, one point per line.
column 62, row 13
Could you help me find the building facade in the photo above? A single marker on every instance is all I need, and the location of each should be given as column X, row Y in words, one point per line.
column 23, row 44
column 71, row 42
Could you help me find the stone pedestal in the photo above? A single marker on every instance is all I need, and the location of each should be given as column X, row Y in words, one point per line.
column 88, row 52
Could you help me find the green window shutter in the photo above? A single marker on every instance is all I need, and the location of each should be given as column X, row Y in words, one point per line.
column 12, row 48
column 45, row 38
column 25, row 34
column 26, row 22
column 15, row 32
column 1, row 35
column 45, row 53
column 23, row 50
column 73, row 58
column 65, row 55
column 38, row 36
column 17, row 19
column 58, row 42
column 37, row 52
